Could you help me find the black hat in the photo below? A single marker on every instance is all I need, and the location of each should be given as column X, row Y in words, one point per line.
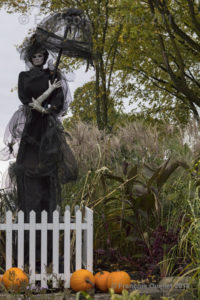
column 30, row 47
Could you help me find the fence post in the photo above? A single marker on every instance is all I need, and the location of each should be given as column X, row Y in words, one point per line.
column 8, row 239
column 55, row 246
column 88, row 239
column 67, row 246
column 20, row 246
column 44, row 249
column 78, row 238
column 32, row 248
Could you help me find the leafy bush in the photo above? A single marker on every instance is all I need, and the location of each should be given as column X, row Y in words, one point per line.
column 135, row 180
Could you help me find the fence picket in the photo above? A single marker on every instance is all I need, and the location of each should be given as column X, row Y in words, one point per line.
column 8, row 239
column 55, row 246
column 89, row 241
column 84, row 249
column 69, row 224
column 78, row 239
column 67, row 246
column 32, row 248
column 44, row 249
column 20, row 248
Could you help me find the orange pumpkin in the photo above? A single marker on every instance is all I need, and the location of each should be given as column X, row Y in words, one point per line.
column 82, row 280
column 101, row 280
column 118, row 280
column 14, row 278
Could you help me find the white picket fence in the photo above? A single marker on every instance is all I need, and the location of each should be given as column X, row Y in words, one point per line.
column 83, row 244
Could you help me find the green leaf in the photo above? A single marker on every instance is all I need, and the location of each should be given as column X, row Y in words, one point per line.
column 85, row 294
column 132, row 238
column 168, row 169
column 157, row 173
column 130, row 174
column 111, row 176
column 147, row 171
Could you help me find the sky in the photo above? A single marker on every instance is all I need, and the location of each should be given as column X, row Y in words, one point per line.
column 13, row 29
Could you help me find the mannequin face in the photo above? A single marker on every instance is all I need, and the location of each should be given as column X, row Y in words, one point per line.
column 38, row 59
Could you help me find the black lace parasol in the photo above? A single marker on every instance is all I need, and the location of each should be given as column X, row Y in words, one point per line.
column 67, row 33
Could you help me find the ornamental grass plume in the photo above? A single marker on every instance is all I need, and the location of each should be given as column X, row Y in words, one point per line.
column 134, row 141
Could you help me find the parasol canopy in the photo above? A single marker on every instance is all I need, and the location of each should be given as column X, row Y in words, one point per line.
column 67, row 33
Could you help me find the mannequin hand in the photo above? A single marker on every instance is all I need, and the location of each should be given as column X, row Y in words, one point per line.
column 56, row 84
column 37, row 106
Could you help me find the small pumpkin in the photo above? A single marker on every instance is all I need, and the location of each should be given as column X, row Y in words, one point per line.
column 101, row 280
column 14, row 278
column 82, row 280
column 118, row 280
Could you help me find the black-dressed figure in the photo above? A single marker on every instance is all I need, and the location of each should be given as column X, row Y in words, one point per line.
column 40, row 164
column 34, row 135
column 44, row 160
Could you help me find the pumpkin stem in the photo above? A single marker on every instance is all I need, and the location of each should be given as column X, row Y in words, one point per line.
column 88, row 281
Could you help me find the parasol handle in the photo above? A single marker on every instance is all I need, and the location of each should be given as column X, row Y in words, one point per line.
column 57, row 64
column 59, row 55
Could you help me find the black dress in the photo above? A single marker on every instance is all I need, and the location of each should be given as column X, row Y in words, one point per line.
column 44, row 159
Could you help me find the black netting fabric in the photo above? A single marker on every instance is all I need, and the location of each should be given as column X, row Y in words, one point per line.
column 13, row 133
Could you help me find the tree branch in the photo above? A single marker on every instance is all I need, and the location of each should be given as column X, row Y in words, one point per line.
column 114, row 55
column 193, row 16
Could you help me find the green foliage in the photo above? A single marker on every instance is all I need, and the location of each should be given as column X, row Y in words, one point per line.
column 144, row 189
column 190, row 236
column 133, row 187
column 84, row 294
column 160, row 52
column 83, row 108
column 83, row 105
column 135, row 295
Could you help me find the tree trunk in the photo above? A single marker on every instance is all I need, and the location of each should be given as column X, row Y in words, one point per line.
column 98, row 99
column 104, row 100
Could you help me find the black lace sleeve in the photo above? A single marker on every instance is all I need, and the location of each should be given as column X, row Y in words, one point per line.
column 21, row 93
